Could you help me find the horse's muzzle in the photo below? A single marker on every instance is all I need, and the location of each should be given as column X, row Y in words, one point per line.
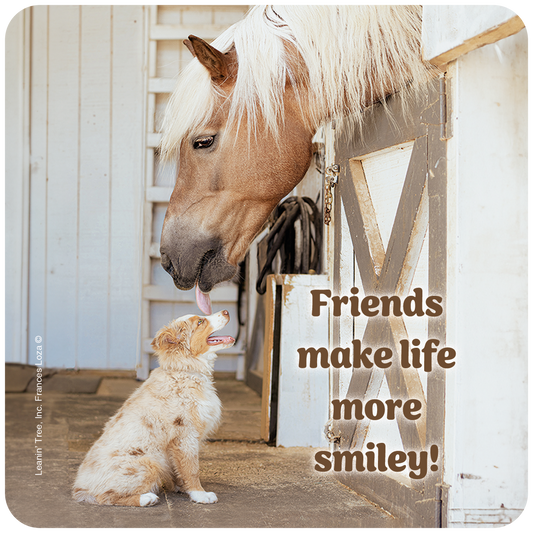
column 202, row 261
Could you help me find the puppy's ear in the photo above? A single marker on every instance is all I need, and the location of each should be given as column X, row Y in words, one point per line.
column 166, row 338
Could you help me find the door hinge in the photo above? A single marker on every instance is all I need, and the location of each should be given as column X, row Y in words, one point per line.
column 441, row 508
column 445, row 132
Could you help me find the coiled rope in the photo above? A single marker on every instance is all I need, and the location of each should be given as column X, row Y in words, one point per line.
column 296, row 233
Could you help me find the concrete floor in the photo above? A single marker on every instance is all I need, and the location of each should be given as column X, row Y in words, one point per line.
column 256, row 485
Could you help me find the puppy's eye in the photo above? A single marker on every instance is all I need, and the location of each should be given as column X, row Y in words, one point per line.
column 201, row 321
column 203, row 142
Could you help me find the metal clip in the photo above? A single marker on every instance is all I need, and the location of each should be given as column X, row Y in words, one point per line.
column 330, row 432
column 332, row 174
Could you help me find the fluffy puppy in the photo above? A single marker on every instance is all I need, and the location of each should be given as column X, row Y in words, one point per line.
column 153, row 440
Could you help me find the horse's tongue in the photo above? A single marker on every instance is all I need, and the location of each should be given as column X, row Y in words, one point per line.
column 203, row 301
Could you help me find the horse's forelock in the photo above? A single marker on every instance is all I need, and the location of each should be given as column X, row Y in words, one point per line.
column 190, row 106
column 258, row 91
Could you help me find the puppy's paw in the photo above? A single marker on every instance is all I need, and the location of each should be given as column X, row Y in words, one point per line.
column 148, row 499
column 199, row 496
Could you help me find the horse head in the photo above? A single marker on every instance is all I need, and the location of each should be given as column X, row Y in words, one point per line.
column 229, row 179
column 244, row 112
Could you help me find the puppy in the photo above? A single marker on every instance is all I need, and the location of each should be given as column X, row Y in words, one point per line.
column 153, row 440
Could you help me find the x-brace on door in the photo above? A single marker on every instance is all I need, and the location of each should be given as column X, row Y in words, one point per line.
column 418, row 123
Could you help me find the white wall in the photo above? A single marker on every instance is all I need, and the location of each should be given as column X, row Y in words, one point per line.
column 486, row 404
column 451, row 31
column 75, row 187
column 17, row 186
column 87, row 150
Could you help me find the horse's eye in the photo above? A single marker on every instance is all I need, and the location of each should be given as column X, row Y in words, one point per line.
column 203, row 142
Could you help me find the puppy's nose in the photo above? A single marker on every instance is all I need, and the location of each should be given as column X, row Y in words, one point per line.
column 225, row 313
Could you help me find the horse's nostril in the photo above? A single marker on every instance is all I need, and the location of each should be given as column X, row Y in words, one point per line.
column 166, row 263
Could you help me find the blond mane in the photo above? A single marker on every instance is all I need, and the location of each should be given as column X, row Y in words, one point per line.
column 351, row 56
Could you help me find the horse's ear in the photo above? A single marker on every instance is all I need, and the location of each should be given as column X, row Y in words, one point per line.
column 213, row 60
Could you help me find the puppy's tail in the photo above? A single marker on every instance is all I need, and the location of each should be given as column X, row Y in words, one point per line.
column 110, row 497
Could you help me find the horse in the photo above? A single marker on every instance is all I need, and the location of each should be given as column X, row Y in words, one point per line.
column 242, row 117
